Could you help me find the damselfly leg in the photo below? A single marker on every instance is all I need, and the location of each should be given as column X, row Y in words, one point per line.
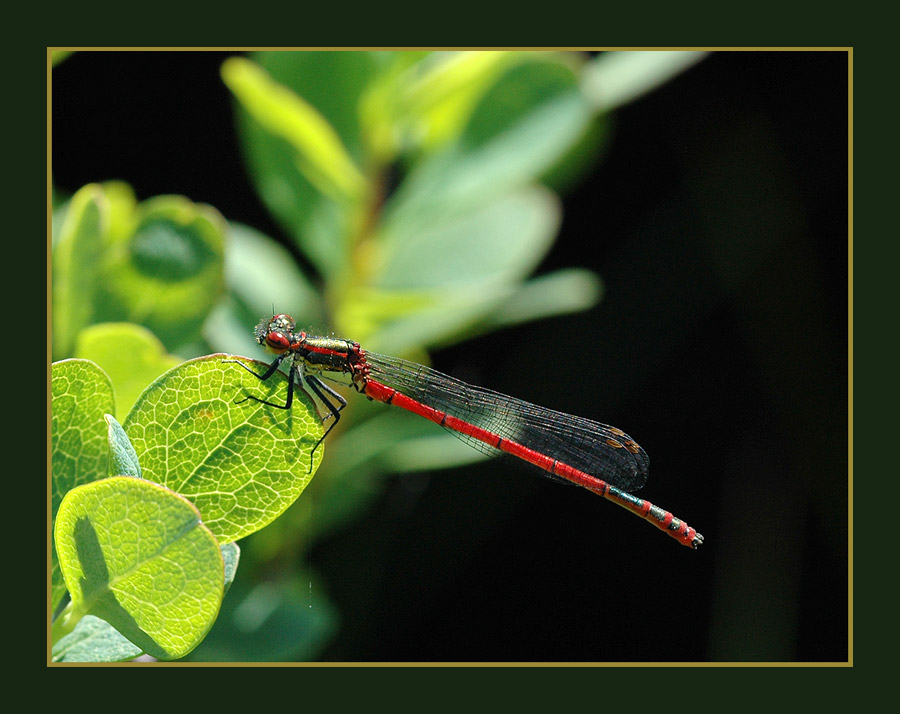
column 319, row 388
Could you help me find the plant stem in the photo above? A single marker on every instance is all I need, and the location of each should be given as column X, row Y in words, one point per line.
column 65, row 623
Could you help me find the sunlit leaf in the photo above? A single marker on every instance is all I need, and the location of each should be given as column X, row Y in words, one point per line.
column 123, row 460
column 138, row 556
column 433, row 99
column 241, row 463
column 80, row 395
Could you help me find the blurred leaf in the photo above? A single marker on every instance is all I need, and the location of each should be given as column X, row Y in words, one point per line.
column 261, row 275
column 130, row 354
column 77, row 261
column 464, row 314
column 159, row 264
column 371, row 439
column 320, row 154
column 581, row 158
column 524, row 123
column 381, row 119
column 333, row 83
column 556, row 293
column 122, row 213
column 445, row 318
column 80, row 395
column 271, row 621
column 398, row 322
column 431, row 450
column 362, row 311
column 260, row 272
column 123, row 460
column 58, row 56
column 616, row 78
column 430, row 102
column 138, row 556
column 442, row 279
column 500, row 241
column 168, row 273
column 241, row 464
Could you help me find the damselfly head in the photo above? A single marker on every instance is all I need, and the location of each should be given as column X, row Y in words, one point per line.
column 275, row 333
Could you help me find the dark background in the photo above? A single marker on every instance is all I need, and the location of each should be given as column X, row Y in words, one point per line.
column 717, row 219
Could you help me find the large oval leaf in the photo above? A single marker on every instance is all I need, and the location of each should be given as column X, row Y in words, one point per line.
column 138, row 556
column 241, row 464
column 81, row 394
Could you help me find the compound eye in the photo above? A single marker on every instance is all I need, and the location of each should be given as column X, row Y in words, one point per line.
column 283, row 322
column 277, row 342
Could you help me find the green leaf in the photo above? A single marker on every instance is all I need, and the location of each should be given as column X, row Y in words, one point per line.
column 77, row 267
column 431, row 452
column 427, row 104
column 272, row 621
column 231, row 555
column 57, row 56
column 523, row 124
column 333, row 82
column 168, row 272
column 130, row 354
column 401, row 321
column 581, row 157
column 159, row 264
column 500, row 241
column 123, row 461
column 319, row 152
column 94, row 640
column 138, row 556
column 616, row 78
column 397, row 443
column 81, row 394
column 462, row 314
column 556, row 293
column 260, row 275
column 435, row 284
column 241, row 464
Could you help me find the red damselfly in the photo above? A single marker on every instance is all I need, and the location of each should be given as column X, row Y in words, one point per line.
column 569, row 449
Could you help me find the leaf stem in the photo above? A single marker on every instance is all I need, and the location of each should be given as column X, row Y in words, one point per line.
column 65, row 622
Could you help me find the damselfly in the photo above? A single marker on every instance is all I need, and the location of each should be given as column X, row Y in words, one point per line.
column 570, row 449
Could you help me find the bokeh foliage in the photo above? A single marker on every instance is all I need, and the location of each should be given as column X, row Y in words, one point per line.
column 421, row 190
